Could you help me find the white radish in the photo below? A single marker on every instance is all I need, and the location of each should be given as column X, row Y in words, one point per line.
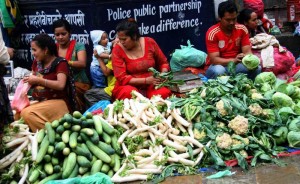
column 144, row 171
column 123, row 136
column 126, row 104
column 187, row 155
column 190, row 131
column 25, row 174
column 181, row 128
column 20, row 157
column 110, row 117
column 179, row 118
column 148, row 159
column 143, row 152
column 174, row 145
column 125, row 150
column 34, row 146
column 132, row 106
column 8, row 159
column 139, row 96
column 136, row 131
column 16, row 142
column 201, row 154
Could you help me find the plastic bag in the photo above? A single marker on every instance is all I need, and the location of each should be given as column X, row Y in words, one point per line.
column 187, row 56
column 275, row 30
column 282, row 61
column 101, row 105
column 20, row 100
column 98, row 178
column 256, row 5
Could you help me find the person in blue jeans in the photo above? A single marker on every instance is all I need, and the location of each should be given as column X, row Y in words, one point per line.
column 228, row 41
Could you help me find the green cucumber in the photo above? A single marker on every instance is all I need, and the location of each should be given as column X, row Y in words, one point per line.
column 98, row 152
column 107, row 127
column 105, row 168
column 89, row 115
column 77, row 114
column 106, row 148
column 69, row 118
column 40, row 135
column 60, row 129
column 87, row 131
column 33, row 177
column 95, row 137
column 83, row 161
column 117, row 165
column 73, row 140
column 74, row 173
column 70, row 165
column 55, row 124
column 96, row 167
column 51, row 177
column 98, row 124
column 50, row 132
column 43, row 149
column 76, row 128
column 60, row 146
column 65, row 137
column 83, row 170
column 106, row 138
column 115, row 144
column 50, row 149
column 48, row 167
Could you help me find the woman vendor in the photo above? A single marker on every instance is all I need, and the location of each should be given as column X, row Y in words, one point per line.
column 50, row 82
column 131, row 59
column 75, row 53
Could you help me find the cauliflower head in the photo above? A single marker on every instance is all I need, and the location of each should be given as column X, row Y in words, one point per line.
column 257, row 96
column 255, row 109
column 244, row 153
column 221, row 108
column 224, row 141
column 199, row 134
column 239, row 125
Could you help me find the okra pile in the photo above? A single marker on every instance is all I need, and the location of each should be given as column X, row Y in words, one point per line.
column 75, row 145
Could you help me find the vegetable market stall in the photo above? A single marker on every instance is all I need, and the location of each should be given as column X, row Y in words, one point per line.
column 228, row 118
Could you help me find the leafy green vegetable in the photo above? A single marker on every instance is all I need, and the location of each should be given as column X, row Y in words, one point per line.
column 251, row 61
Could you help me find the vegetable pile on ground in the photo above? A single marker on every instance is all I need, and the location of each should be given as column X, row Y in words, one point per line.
column 18, row 149
column 243, row 118
column 153, row 136
column 75, row 146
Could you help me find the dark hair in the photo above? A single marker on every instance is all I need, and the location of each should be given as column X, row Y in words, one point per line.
column 244, row 16
column 61, row 23
column 226, row 6
column 130, row 27
column 44, row 41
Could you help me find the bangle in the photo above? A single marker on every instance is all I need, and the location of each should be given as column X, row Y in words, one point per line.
column 45, row 83
column 109, row 56
column 70, row 63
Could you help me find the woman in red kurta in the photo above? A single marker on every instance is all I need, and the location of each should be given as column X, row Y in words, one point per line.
column 131, row 59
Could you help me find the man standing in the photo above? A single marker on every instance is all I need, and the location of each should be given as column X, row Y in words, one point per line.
column 228, row 41
column 6, row 115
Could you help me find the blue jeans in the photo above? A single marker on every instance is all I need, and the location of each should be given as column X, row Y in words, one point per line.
column 216, row 70
column 97, row 76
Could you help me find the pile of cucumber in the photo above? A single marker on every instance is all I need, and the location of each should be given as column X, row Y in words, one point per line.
column 75, row 145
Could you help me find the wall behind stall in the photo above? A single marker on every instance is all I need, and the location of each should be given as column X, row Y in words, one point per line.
column 169, row 26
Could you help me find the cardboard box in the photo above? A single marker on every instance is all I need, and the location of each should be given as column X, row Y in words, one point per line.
column 191, row 81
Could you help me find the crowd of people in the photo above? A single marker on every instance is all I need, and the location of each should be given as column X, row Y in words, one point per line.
column 59, row 80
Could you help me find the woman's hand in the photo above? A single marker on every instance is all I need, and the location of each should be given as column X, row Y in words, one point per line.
column 32, row 79
column 154, row 81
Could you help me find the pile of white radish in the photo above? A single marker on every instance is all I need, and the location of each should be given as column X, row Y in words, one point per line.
column 20, row 140
column 172, row 131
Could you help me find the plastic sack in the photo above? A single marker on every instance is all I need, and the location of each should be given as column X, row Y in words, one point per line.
column 98, row 178
column 187, row 56
column 256, row 5
column 97, row 106
column 282, row 61
column 20, row 100
column 275, row 30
